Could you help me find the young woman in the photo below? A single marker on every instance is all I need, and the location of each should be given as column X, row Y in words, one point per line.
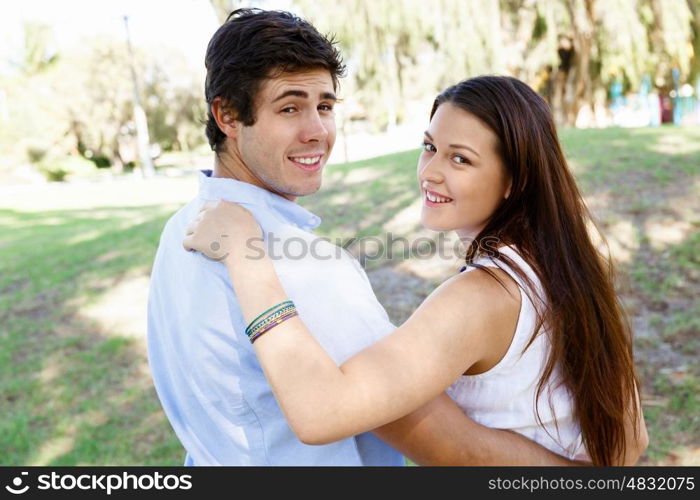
column 528, row 337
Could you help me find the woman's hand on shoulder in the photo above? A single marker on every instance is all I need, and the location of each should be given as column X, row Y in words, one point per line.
column 222, row 230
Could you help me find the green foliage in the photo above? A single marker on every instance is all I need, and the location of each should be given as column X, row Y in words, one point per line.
column 174, row 103
column 58, row 168
column 37, row 56
column 100, row 161
column 398, row 50
column 54, row 165
column 36, row 151
column 81, row 101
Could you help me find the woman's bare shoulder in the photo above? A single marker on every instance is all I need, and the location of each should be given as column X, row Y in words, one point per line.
column 476, row 306
column 492, row 289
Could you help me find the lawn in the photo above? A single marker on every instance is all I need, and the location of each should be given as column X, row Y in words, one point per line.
column 75, row 258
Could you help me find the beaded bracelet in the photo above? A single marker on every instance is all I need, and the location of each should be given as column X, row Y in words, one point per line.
column 254, row 336
column 285, row 303
column 270, row 319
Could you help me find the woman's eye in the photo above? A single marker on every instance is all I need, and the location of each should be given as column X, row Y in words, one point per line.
column 428, row 147
column 289, row 109
column 462, row 160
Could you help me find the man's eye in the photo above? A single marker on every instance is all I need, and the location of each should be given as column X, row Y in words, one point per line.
column 289, row 109
column 325, row 107
column 428, row 147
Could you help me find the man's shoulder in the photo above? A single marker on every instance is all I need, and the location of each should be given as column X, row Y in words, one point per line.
column 170, row 249
column 183, row 216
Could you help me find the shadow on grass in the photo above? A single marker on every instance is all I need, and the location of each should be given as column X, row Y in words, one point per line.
column 357, row 199
column 74, row 391
column 648, row 179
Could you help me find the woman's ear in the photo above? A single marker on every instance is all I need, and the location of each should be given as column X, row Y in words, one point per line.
column 225, row 118
column 509, row 185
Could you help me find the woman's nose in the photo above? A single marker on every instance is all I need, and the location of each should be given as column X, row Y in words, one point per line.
column 430, row 173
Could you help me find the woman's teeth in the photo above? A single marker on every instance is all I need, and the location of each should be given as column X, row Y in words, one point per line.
column 435, row 198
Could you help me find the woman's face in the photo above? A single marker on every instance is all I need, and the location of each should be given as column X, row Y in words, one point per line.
column 460, row 172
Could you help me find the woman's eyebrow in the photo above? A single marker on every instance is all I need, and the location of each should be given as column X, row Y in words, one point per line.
column 455, row 146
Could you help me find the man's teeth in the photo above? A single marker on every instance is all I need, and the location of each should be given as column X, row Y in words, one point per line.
column 307, row 161
column 435, row 198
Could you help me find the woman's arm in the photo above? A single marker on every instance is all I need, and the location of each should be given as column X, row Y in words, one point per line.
column 636, row 437
column 324, row 402
column 448, row 333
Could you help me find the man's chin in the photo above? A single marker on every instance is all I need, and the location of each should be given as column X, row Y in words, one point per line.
column 307, row 192
column 308, row 188
column 292, row 192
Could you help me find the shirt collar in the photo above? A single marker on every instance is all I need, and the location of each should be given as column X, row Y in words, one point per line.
column 223, row 188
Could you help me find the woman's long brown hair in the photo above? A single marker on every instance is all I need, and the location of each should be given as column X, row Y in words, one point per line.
column 546, row 218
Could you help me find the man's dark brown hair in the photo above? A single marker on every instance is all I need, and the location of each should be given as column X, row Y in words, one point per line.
column 252, row 46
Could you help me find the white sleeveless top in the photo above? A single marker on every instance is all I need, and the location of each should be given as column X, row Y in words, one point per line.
column 504, row 396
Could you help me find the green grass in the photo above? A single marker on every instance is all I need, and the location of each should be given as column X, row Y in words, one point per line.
column 678, row 422
column 71, row 391
column 629, row 159
column 358, row 198
column 74, row 384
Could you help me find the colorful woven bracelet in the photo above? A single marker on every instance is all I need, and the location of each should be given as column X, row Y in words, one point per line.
column 285, row 303
column 269, row 316
column 272, row 324
column 270, row 319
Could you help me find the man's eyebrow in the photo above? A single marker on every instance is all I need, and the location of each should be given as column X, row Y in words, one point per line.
column 456, row 146
column 305, row 95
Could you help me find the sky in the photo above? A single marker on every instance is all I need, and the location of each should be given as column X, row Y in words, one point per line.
column 186, row 25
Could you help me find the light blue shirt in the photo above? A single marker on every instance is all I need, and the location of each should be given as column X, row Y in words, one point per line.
column 205, row 370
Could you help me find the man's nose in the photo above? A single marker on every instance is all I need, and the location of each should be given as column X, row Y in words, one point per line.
column 314, row 129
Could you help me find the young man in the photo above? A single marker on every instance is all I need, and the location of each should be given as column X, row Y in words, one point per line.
column 271, row 88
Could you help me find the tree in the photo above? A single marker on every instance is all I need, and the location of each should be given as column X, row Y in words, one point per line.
column 38, row 54
column 30, row 123
column 174, row 101
column 694, row 9
column 97, row 121
column 571, row 51
column 98, row 115
column 398, row 50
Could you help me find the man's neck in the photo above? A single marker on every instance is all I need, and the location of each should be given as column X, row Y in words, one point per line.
column 227, row 167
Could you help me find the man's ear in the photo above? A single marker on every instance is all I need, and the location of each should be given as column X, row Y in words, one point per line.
column 225, row 118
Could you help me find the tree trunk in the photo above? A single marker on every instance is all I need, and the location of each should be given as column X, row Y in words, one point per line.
column 572, row 81
column 117, row 161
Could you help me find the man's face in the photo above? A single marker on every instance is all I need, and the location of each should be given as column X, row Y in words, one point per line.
column 293, row 135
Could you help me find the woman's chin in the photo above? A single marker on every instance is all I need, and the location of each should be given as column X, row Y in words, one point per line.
column 435, row 226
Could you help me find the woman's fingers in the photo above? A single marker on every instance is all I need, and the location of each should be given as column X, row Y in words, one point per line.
column 209, row 232
column 191, row 227
column 188, row 243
